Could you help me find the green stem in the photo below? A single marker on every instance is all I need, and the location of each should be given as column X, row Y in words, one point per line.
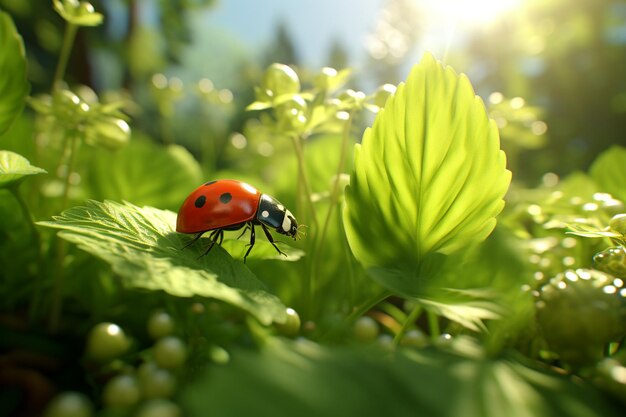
column 57, row 272
column 64, row 56
column 73, row 146
column 417, row 310
column 320, row 239
column 26, row 213
column 433, row 324
column 305, row 188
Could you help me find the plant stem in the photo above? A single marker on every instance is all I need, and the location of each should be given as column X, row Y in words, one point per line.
column 64, row 56
column 304, row 190
column 417, row 310
column 57, row 272
column 320, row 239
column 26, row 213
column 433, row 324
column 73, row 146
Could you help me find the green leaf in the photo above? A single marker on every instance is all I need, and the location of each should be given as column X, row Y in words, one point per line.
column 14, row 168
column 143, row 173
column 14, row 86
column 309, row 380
column 428, row 177
column 588, row 230
column 609, row 171
column 142, row 247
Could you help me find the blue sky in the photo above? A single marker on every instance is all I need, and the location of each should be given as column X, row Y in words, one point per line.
column 313, row 24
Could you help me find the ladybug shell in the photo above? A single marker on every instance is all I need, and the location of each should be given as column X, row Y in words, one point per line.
column 216, row 205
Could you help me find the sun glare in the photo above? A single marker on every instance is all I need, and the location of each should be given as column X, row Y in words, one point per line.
column 470, row 13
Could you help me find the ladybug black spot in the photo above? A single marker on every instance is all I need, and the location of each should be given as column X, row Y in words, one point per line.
column 200, row 201
column 226, row 197
column 210, row 182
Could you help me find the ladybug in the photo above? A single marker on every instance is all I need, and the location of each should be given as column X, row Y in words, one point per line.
column 222, row 205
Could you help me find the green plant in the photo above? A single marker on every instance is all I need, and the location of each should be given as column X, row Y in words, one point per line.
column 414, row 282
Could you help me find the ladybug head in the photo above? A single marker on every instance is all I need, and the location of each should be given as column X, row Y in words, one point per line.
column 289, row 226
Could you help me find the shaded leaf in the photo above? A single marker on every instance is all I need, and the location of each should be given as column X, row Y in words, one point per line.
column 142, row 247
column 14, row 167
column 144, row 173
column 429, row 177
column 14, row 86
column 306, row 379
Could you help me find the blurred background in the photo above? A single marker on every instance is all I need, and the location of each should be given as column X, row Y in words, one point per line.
column 550, row 71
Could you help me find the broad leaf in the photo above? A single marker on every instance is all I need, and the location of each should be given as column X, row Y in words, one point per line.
column 14, row 168
column 143, row 173
column 428, row 179
column 14, row 86
column 142, row 247
column 306, row 379
column 609, row 171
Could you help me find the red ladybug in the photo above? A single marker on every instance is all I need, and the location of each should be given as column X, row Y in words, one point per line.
column 231, row 205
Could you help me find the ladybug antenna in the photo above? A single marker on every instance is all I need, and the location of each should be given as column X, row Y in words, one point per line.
column 300, row 233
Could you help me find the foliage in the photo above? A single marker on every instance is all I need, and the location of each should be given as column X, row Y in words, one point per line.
column 403, row 285
column 13, row 85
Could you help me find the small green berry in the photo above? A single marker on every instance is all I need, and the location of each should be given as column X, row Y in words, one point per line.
column 69, row 404
column 159, row 408
column 365, row 329
column 121, row 391
column 106, row 341
column 170, row 352
column 160, row 324
column 291, row 326
column 155, row 382
column 219, row 355
column 618, row 223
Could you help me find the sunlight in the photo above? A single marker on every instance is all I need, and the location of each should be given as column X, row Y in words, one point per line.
column 472, row 13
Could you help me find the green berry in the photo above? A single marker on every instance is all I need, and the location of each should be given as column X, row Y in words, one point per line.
column 155, row 382
column 106, row 341
column 415, row 338
column 612, row 261
column 170, row 352
column 159, row 408
column 579, row 312
column 160, row 324
column 219, row 355
column 121, row 391
column 365, row 329
column 291, row 326
column 618, row 223
column 69, row 404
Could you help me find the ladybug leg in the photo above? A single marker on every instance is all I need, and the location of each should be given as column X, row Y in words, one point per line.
column 195, row 238
column 271, row 239
column 244, row 231
column 217, row 234
column 252, row 239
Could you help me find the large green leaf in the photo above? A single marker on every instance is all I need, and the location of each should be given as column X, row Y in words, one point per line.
column 609, row 171
column 14, row 86
column 307, row 380
column 14, row 168
column 143, row 173
column 142, row 247
column 428, row 180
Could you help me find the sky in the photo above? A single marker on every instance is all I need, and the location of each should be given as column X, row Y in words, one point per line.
column 312, row 24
